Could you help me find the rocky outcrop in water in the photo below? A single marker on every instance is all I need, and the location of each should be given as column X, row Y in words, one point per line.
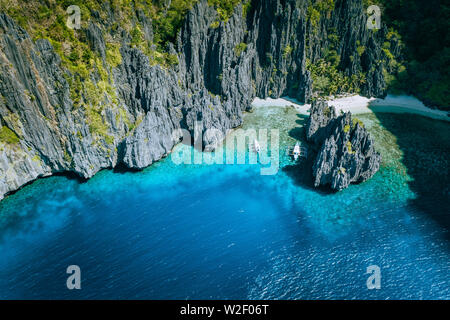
column 345, row 149
column 220, row 70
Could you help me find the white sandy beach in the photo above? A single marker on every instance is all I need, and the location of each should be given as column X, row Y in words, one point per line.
column 357, row 105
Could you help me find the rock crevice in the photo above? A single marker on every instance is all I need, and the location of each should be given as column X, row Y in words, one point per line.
column 345, row 149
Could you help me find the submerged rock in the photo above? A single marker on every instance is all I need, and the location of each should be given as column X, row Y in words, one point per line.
column 345, row 149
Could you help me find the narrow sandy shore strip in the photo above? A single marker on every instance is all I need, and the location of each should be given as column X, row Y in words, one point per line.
column 358, row 105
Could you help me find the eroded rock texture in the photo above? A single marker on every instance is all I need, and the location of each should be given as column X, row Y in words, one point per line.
column 220, row 71
column 346, row 152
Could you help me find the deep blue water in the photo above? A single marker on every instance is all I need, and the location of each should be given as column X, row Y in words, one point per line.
column 221, row 232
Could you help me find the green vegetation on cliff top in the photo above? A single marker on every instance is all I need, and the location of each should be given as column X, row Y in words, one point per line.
column 423, row 27
column 47, row 19
column 417, row 29
column 90, row 77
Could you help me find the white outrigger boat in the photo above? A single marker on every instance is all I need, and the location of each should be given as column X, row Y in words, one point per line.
column 256, row 146
column 296, row 152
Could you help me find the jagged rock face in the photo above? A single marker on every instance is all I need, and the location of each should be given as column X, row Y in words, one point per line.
column 318, row 128
column 346, row 152
column 211, row 87
column 348, row 21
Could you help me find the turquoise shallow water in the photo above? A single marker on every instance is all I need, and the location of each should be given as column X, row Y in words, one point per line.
column 227, row 232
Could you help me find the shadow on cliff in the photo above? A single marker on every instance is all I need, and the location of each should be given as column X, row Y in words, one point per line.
column 425, row 144
column 122, row 168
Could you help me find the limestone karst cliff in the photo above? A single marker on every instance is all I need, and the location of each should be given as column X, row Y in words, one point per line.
column 125, row 108
column 345, row 149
